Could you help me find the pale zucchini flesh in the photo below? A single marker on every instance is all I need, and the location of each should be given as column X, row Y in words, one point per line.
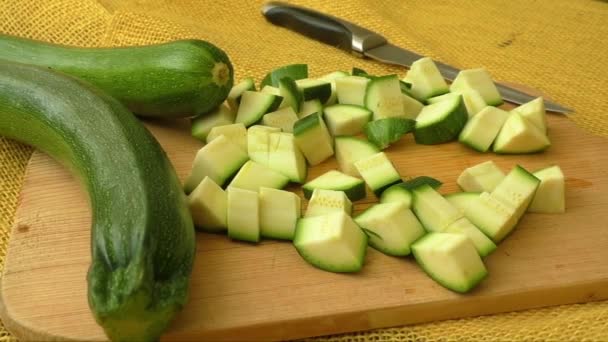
column 461, row 200
column 391, row 228
column 258, row 143
column 313, row 139
column 346, row 119
column 323, row 202
column 202, row 125
column 491, row 216
column 441, row 122
column 378, row 172
column 481, row 130
column 254, row 105
column 473, row 101
column 235, row 94
column 517, row 189
column 310, row 107
column 243, row 217
column 482, row 243
column 451, row 260
column 331, row 242
column 207, row 205
column 535, row 112
column 383, row 97
column 478, row 79
column 279, row 213
column 353, row 187
column 550, row 197
column 285, row 157
column 219, row 160
column 425, row 79
column 519, row 135
column 252, row 176
column 351, row 90
column 237, row 133
column 283, row 118
column 481, row 177
column 350, row 150
column 432, row 209
column 411, row 107
column 397, row 194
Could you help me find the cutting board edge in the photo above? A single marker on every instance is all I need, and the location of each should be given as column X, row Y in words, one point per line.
column 473, row 306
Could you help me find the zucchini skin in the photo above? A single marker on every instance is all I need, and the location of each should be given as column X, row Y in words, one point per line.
column 142, row 238
column 182, row 78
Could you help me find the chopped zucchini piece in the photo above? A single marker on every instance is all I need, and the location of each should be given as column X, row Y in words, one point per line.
column 344, row 119
column 285, row 157
column 290, row 93
column 461, row 200
column 202, row 124
column 331, row 242
column 313, row 139
column 481, row 130
column 326, row 201
column 243, row 217
column 473, row 101
column 411, row 107
column 294, row 71
column 441, row 122
column 207, row 203
column 482, row 243
column 491, row 216
column 481, row 177
column 425, row 79
column 550, row 197
column 451, row 260
column 350, row 150
column 516, row 190
column 535, row 112
column 397, row 194
column 258, row 143
column 353, row 187
column 332, row 77
column 252, row 176
column 283, row 118
column 383, row 97
column 235, row 94
column 219, row 159
column 384, row 132
column 351, row 90
column 378, row 172
column 480, row 80
column 309, row 107
column 519, row 135
column 391, row 228
column 314, row 89
column 279, row 213
column 434, row 211
column 237, row 133
column 254, row 105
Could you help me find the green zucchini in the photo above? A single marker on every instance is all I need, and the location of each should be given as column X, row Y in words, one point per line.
column 182, row 78
column 142, row 241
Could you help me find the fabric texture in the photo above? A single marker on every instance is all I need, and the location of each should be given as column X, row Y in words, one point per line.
column 556, row 47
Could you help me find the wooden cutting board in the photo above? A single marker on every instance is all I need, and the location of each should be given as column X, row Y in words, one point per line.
column 242, row 291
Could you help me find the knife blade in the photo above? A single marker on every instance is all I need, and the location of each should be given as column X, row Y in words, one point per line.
column 365, row 43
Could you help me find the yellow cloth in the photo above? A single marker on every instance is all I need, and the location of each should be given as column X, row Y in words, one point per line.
column 557, row 47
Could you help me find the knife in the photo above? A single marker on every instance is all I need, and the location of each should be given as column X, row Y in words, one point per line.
column 365, row 43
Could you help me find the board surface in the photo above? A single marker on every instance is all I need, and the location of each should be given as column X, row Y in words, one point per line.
column 266, row 291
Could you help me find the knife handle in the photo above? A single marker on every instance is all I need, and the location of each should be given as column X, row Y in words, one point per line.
column 325, row 28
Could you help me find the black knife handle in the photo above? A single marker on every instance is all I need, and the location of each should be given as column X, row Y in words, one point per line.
column 309, row 23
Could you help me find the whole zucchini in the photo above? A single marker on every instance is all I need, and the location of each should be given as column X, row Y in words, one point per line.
column 182, row 78
column 142, row 237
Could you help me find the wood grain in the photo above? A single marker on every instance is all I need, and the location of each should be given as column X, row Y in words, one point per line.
column 243, row 292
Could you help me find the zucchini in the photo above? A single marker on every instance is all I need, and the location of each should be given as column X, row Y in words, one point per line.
column 378, row 172
column 535, row 112
column 293, row 71
column 328, row 201
column 182, row 78
column 283, row 118
column 351, row 90
column 285, row 157
column 208, row 206
column 279, row 212
column 384, row 132
column 520, row 135
column 235, row 94
column 461, row 200
column 315, row 89
column 483, row 244
column 391, row 228
column 491, row 216
column 243, row 215
column 425, row 79
column 481, row 130
column 353, row 187
column 451, row 260
column 550, row 197
column 258, row 143
column 236, row 133
column 291, row 94
column 471, row 97
column 203, row 124
column 254, row 105
column 332, row 77
column 313, row 139
column 252, row 176
column 219, row 159
column 411, row 107
column 383, row 97
column 481, row 177
column 350, row 150
column 434, row 211
column 331, row 242
column 309, row 107
column 477, row 79
column 142, row 236
column 344, row 119
column 397, row 194
column 441, row 122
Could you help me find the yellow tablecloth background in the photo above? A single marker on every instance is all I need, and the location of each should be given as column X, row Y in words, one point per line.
column 557, row 47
